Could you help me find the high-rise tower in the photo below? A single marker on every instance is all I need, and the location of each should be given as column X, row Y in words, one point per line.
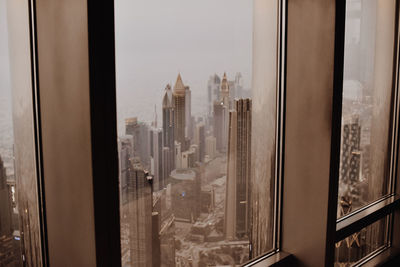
column 140, row 133
column 5, row 203
column 188, row 113
column 237, row 204
column 140, row 215
column 156, row 154
column 224, row 92
column 213, row 86
column 180, row 106
column 350, row 158
column 221, row 116
column 200, row 140
column 125, row 152
column 168, row 117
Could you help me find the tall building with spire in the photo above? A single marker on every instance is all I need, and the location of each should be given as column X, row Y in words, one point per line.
column 180, row 108
column 237, row 203
column 168, row 124
column 224, row 92
column 221, row 114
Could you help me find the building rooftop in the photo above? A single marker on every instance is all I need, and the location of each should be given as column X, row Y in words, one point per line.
column 183, row 174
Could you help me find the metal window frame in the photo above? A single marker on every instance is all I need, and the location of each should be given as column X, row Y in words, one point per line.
column 100, row 55
column 104, row 131
column 101, row 58
column 388, row 204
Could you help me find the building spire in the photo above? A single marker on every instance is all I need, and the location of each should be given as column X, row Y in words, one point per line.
column 224, row 86
column 179, row 88
column 168, row 99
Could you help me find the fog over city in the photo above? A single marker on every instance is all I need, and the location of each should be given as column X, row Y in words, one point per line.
column 197, row 130
column 156, row 39
column 5, row 92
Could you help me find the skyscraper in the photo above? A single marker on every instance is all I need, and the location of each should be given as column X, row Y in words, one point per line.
column 157, row 161
column 188, row 113
column 125, row 152
column 180, row 107
column 350, row 159
column 213, row 86
column 221, row 114
column 140, row 133
column 236, row 88
column 5, row 203
column 211, row 146
column 224, row 92
column 199, row 140
column 140, row 215
column 131, row 126
column 168, row 116
column 178, row 155
column 237, row 204
column 10, row 253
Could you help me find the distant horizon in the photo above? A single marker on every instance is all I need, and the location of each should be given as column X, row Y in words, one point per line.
column 195, row 38
column 157, row 39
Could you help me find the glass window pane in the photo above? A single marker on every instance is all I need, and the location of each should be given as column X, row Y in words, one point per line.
column 20, row 235
column 10, row 244
column 367, row 103
column 359, row 245
column 19, row 221
column 196, row 102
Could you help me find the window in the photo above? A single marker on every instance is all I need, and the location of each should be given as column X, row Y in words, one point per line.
column 197, row 115
column 20, row 221
column 361, row 244
column 367, row 147
column 367, row 104
column 10, row 237
column 150, row 150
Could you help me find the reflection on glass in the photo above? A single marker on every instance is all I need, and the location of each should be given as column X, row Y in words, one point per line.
column 359, row 245
column 10, row 238
column 367, row 95
column 192, row 193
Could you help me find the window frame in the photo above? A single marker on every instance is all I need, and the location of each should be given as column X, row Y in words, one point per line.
column 386, row 205
column 103, row 136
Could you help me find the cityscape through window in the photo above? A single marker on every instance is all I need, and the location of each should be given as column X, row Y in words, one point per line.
column 366, row 113
column 196, row 151
column 367, row 103
column 200, row 111
column 17, row 211
column 357, row 246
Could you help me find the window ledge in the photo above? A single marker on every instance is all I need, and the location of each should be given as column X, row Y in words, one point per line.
column 359, row 219
column 275, row 259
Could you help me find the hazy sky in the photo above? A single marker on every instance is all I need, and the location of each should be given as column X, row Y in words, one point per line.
column 156, row 39
column 4, row 60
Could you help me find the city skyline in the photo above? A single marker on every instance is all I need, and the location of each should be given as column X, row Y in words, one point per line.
column 187, row 156
column 183, row 183
column 194, row 38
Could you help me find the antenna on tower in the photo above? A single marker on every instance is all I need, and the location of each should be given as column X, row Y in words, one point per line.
column 155, row 116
